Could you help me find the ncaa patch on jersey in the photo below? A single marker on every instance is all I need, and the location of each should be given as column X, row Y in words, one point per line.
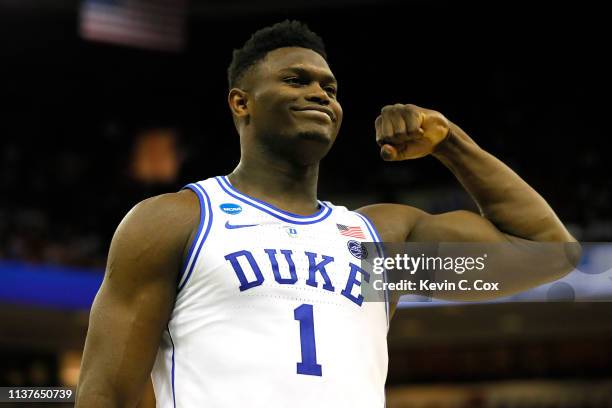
column 357, row 249
column 230, row 208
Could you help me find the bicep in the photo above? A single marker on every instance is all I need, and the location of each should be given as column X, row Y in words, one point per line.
column 455, row 226
column 394, row 222
column 131, row 309
column 401, row 223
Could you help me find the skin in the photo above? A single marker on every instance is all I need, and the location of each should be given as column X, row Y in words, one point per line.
column 281, row 146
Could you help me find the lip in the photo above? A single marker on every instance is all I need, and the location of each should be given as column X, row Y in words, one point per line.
column 327, row 111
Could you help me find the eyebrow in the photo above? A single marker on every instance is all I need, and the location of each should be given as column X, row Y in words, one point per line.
column 327, row 78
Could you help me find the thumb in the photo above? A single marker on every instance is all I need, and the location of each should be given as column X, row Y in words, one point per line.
column 388, row 152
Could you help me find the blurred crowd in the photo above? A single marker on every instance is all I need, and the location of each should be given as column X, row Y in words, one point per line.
column 92, row 128
column 61, row 202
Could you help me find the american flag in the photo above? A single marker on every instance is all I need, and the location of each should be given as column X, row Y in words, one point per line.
column 354, row 232
column 153, row 24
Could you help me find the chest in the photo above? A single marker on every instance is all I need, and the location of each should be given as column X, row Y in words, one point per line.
column 256, row 256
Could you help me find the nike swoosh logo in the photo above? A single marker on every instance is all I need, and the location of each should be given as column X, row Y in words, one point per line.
column 230, row 226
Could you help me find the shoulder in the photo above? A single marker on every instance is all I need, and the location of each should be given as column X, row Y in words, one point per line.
column 170, row 211
column 394, row 222
column 163, row 224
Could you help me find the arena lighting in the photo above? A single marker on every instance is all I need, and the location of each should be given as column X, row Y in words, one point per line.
column 150, row 24
column 155, row 158
column 69, row 365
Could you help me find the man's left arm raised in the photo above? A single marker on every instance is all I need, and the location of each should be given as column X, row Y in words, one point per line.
column 511, row 211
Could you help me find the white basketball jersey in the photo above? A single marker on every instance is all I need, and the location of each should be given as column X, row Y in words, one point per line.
column 269, row 313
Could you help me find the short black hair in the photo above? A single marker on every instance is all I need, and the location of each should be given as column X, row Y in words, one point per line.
column 283, row 34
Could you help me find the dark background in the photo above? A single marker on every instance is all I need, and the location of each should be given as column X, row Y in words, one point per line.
column 529, row 83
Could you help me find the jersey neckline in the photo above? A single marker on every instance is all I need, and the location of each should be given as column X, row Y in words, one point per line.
column 323, row 212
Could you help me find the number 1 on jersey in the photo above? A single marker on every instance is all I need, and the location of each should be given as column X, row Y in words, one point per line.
column 308, row 365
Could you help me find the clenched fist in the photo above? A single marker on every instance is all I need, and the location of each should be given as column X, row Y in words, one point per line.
column 409, row 132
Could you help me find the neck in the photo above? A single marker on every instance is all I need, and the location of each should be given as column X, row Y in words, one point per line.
column 285, row 185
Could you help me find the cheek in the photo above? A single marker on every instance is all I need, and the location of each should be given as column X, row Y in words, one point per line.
column 339, row 113
column 272, row 104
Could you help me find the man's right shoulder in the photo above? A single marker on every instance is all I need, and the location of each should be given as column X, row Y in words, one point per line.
column 179, row 206
column 164, row 220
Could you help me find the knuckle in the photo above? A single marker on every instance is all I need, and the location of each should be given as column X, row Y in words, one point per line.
column 412, row 109
column 386, row 134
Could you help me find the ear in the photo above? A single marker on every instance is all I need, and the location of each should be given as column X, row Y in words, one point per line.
column 238, row 100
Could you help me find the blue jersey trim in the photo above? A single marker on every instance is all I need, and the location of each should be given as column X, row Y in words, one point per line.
column 173, row 365
column 379, row 249
column 322, row 214
column 205, row 215
column 228, row 184
column 200, row 226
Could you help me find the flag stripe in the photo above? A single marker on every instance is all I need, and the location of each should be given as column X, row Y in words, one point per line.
column 157, row 24
column 103, row 33
column 354, row 232
column 133, row 14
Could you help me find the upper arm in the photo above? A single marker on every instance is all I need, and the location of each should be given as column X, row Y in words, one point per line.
column 135, row 300
column 401, row 223
column 455, row 226
column 512, row 263
column 394, row 222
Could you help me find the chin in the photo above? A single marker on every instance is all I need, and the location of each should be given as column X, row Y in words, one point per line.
column 314, row 136
column 314, row 132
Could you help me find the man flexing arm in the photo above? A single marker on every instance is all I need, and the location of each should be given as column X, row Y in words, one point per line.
column 135, row 300
column 511, row 211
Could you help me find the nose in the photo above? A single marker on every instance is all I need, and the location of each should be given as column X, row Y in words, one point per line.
column 317, row 94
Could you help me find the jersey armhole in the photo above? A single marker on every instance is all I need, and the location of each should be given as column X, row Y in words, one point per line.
column 200, row 237
column 381, row 253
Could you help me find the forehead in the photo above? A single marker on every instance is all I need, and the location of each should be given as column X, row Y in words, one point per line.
column 293, row 57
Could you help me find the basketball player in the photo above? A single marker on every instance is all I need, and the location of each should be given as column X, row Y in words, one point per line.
column 242, row 290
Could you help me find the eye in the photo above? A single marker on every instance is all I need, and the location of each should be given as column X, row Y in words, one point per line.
column 331, row 90
column 295, row 81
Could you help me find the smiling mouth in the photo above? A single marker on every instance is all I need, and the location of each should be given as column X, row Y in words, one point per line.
column 316, row 113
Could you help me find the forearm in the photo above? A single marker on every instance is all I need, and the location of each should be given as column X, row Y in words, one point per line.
column 91, row 399
column 501, row 195
column 99, row 391
column 96, row 396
